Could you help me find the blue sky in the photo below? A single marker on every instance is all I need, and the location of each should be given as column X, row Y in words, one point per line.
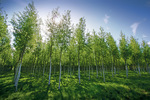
column 132, row 17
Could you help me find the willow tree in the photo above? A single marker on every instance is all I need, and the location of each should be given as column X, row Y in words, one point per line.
column 124, row 50
column 63, row 35
column 79, row 37
column 52, row 30
column 26, row 27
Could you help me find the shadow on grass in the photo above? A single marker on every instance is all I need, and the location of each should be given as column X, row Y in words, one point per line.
column 117, row 87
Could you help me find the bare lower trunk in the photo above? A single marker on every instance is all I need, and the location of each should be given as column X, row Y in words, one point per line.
column 139, row 69
column 68, row 73
column 60, row 70
column 126, row 69
column 79, row 71
column 148, row 69
column 17, row 69
column 79, row 67
column 50, row 71
column 89, row 72
column 96, row 70
column 112, row 69
column 103, row 72
column 18, row 74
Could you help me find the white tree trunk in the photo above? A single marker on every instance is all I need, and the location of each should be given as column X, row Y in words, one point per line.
column 50, row 71
column 78, row 68
column 103, row 73
column 139, row 69
column 17, row 69
column 68, row 73
column 18, row 76
column 112, row 69
column 89, row 72
column 96, row 70
column 126, row 69
column 60, row 71
column 79, row 72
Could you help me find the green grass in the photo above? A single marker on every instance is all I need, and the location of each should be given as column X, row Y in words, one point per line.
column 118, row 87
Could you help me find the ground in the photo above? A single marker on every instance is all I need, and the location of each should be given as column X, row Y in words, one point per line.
column 36, row 88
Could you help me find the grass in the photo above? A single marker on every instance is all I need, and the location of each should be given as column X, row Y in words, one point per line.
column 115, row 88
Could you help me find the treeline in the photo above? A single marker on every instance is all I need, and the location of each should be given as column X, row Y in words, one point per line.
column 68, row 48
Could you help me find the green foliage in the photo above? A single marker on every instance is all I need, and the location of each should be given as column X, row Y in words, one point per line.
column 26, row 27
column 5, row 48
column 135, row 49
column 80, row 34
column 124, row 47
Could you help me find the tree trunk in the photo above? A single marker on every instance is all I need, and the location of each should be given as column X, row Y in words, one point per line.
column 139, row 68
column 89, row 72
column 79, row 65
column 79, row 71
column 60, row 69
column 103, row 71
column 112, row 69
column 147, row 67
column 96, row 69
column 18, row 74
column 126, row 69
column 68, row 73
column 50, row 71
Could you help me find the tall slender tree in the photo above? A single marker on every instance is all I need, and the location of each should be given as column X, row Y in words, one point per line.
column 5, row 48
column 124, row 50
column 135, row 52
column 63, row 35
column 146, row 54
column 79, row 37
column 112, row 49
column 52, row 30
column 26, row 27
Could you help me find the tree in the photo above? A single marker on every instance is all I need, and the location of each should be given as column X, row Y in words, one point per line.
column 88, row 51
column 26, row 27
column 52, row 30
column 103, row 49
column 63, row 35
column 5, row 48
column 124, row 50
column 146, row 53
column 112, row 49
column 135, row 52
column 95, row 43
column 79, row 37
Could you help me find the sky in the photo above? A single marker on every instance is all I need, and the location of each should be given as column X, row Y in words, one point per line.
column 132, row 17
